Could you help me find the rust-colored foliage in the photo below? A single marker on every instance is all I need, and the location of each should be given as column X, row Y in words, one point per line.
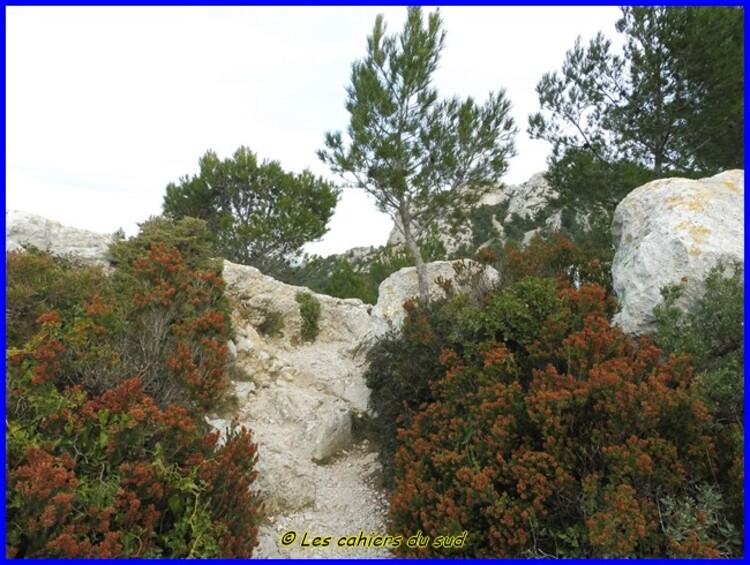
column 559, row 257
column 99, row 467
column 576, row 459
column 180, row 308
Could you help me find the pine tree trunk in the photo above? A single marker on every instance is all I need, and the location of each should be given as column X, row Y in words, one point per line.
column 416, row 253
column 658, row 159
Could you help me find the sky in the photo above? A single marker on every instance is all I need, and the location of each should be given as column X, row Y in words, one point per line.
column 105, row 106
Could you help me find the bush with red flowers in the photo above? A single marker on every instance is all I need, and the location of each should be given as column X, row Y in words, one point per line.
column 550, row 433
column 108, row 451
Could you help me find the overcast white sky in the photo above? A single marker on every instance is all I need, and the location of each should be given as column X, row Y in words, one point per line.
column 106, row 106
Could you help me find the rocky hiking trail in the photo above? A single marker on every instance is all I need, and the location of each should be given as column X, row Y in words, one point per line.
column 317, row 480
column 299, row 399
column 347, row 502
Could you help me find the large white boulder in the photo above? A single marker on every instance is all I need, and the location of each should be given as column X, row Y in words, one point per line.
column 403, row 285
column 674, row 231
column 23, row 230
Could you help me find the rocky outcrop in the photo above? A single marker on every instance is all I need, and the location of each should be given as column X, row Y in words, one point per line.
column 673, row 231
column 24, row 230
column 297, row 396
column 524, row 201
column 402, row 285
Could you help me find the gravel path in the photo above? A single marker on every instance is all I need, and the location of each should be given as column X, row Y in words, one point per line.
column 347, row 503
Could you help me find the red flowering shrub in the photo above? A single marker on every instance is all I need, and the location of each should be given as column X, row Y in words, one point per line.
column 115, row 475
column 572, row 264
column 561, row 437
column 184, row 316
column 108, row 451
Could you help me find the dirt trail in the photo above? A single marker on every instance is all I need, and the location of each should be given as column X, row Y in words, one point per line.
column 347, row 503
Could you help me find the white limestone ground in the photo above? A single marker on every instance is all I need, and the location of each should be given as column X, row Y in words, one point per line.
column 299, row 399
column 347, row 503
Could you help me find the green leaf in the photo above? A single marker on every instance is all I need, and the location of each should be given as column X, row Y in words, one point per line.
column 176, row 504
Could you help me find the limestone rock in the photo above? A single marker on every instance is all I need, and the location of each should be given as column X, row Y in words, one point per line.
column 231, row 350
column 330, row 433
column 303, row 393
column 402, row 285
column 673, row 231
column 23, row 229
column 255, row 295
column 525, row 200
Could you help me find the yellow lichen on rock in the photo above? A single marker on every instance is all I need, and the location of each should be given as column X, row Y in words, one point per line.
column 696, row 232
column 686, row 202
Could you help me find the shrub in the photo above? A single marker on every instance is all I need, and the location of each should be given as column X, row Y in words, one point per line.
column 190, row 236
column 398, row 373
column 345, row 282
column 550, row 433
column 309, row 309
column 559, row 257
column 273, row 324
column 402, row 365
column 184, row 316
column 38, row 282
column 712, row 334
column 111, row 473
column 108, row 453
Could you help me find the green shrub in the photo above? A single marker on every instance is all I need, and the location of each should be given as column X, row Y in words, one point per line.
column 309, row 309
column 190, row 236
column 37, row 282
column 345, row 282
column 712, row 335
column 398, row 373
column 273, row 324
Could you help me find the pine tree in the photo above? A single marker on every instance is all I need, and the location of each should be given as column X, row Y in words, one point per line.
column 667, row 106
column 419, row 156
column 260, row 214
